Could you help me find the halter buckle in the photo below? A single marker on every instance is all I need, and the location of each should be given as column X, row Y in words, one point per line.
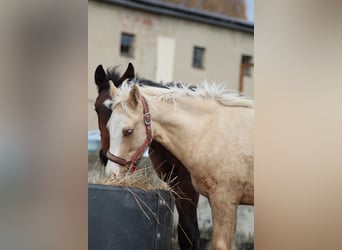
column 147, row 118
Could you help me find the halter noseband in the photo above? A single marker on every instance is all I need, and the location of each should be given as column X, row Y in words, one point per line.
column 138, row 154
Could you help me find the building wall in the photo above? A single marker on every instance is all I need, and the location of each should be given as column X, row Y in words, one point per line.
column 224, row 48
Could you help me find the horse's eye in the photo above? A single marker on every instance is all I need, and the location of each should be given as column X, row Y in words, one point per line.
column 127, row 132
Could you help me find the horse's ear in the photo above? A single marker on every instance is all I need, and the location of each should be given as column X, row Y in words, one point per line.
column 101, row 79
column 113, row 89
column 134, row 97
column 129, row 73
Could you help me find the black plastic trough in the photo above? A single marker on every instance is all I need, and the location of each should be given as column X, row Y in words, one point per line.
column 118, row 218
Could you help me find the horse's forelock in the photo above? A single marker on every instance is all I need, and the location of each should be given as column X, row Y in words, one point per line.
column 114, row 76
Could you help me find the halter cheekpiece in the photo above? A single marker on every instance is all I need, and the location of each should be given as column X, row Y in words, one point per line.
column 138, row 154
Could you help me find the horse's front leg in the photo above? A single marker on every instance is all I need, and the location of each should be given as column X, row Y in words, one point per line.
column 223, row 208
column 188, row 232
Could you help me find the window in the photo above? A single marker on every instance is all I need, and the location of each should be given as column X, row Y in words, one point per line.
column 247, row 64
column 198, row 58
column 127, row 41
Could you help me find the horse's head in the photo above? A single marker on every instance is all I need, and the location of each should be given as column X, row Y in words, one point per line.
column 102, row 80
column 129, row 130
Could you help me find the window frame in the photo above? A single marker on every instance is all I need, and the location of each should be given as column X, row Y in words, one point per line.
column 246, row 60
column 200, row 57
column 127, row 40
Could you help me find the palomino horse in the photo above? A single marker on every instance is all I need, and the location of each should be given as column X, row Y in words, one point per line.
column 209, row 130
column 165, row 164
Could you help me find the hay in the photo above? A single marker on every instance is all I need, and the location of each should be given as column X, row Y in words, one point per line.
column 143, row 178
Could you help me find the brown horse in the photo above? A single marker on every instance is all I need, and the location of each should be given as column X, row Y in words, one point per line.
column 165, row 164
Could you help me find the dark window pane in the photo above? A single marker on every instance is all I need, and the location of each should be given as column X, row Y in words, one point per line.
column 198, row 57
column 246, row 60
column 127, row 41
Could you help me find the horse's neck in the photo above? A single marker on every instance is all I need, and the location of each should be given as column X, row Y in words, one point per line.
column 178, row 126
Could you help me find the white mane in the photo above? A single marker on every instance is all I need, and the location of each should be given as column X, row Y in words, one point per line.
column 205, row 90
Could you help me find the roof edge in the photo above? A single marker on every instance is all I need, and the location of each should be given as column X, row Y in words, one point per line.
column 187, row 13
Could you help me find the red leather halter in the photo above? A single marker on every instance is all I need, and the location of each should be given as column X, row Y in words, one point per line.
column 138, row 154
